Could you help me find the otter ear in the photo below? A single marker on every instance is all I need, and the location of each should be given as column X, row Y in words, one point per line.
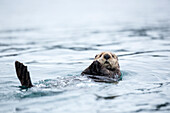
column 96, row 56
column 117, row 57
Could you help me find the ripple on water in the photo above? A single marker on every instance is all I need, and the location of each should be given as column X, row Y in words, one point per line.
column 57, row 49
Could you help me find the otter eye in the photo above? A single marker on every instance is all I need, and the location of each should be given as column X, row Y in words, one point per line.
column 100, row 55
column 96, row 56
column 113, row 56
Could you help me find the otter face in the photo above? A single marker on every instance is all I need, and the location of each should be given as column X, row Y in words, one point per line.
column 108, row 60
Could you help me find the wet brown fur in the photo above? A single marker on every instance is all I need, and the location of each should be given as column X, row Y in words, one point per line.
column 104, row 67
column 112, row 61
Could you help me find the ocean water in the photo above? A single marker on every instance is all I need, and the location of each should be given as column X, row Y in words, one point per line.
column 58, row 39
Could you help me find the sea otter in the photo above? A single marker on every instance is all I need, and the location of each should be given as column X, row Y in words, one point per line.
column 105, row 68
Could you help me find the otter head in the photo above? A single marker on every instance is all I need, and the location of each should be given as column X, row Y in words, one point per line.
column 108, row 60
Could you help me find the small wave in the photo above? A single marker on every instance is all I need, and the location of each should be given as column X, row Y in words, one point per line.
column 13, row 49
column 71, row 48
column 2, row 44
column 18, row 30
column 106, row 97
column 157, row 108
column 38, row 93
column 143, row 52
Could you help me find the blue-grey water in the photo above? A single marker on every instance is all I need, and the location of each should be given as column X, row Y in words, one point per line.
column 58, row 39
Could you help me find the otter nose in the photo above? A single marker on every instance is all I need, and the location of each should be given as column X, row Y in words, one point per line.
column 106, row 56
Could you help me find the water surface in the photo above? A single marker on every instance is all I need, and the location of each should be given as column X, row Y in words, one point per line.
column 59, row 39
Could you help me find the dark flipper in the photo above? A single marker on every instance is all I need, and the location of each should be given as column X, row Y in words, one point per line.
column 97, row 69
column 101, row 74
column 93, row 69
column 23, row 74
